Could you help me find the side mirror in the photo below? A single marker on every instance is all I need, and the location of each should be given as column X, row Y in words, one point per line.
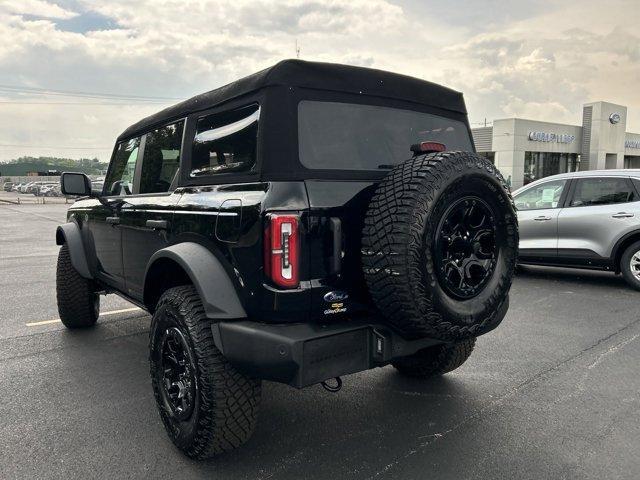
column 78, row 184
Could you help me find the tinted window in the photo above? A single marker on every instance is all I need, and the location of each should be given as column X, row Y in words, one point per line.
column 225, row 142
column 119, row 180
column 161, row 158
column 348, row 136
column 602, row 191
column 544, row 195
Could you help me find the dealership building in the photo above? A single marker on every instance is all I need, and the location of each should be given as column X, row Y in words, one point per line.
column 525, row 150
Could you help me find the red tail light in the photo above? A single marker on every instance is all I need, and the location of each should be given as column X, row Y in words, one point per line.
column 282, row 250
column 428, row 147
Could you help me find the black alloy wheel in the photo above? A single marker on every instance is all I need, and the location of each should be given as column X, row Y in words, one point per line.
column 179, row 384
column 465, row 249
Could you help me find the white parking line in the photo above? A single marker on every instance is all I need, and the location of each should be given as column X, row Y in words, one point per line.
column 102, row 314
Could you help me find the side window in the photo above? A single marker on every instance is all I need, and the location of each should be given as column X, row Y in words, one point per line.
column 161, row 158
column 225, row 142
column 602, row 191
column 545, row 195
column 119, row 179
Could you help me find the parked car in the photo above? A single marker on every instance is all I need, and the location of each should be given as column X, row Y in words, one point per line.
column 16, row 187
column 585, row 219
column 321, row 220
column 37, row 187
column 28, row 187
column 45, row 187
column 49, row 190
column 8, row 186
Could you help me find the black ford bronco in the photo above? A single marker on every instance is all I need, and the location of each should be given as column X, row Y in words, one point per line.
column 303, row 223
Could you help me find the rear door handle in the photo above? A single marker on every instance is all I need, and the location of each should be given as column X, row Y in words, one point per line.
column 542, row 218
column 622, row 215
column 157, row 224
column 113, row 220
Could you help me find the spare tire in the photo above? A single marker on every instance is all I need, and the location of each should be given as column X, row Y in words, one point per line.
column 439, row 246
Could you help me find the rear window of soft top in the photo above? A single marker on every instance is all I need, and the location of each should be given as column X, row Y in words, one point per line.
column 348, row 136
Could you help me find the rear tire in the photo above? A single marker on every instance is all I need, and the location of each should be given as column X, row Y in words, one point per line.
column 78, row 301
column 206, row 405
column 436, row 360
column 630, row 265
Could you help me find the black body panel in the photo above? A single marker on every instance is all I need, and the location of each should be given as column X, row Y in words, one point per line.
column 344, row 202
column 145, row 221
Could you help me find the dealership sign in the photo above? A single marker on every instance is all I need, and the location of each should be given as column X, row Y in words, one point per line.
column 632, row 144
column 551, row 137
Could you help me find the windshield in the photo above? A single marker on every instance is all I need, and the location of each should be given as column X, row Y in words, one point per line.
column 349, row 136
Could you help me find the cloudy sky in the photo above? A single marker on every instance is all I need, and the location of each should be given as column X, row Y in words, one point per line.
column 124, row 59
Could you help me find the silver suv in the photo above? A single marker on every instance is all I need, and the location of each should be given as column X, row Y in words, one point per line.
column 584, row 219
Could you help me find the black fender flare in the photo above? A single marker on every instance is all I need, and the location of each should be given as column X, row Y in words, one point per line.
column 69, row 233
column 216, row 290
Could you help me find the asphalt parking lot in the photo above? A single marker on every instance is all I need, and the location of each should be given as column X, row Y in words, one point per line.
column 554, row 392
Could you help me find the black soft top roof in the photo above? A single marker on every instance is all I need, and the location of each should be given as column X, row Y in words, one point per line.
column 316, row 75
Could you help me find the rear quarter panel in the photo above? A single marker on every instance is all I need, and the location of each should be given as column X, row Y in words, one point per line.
column 347, row 201
column 228, row 220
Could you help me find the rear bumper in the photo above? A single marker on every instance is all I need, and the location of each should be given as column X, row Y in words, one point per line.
column 305, row 354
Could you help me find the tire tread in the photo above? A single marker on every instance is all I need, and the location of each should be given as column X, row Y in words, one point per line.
column 436, row 360
column 75, row 294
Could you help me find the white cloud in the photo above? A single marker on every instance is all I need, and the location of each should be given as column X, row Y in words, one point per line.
column 539, row 61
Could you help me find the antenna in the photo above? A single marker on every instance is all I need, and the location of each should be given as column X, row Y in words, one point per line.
column 297, row 49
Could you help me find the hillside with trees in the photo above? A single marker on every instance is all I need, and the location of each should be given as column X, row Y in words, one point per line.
column 21, row 166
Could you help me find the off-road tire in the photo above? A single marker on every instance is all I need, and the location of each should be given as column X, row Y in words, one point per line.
column 435, row 360
column 625, row 265
column 78, row 301
column 226, row 403
column 398, row 239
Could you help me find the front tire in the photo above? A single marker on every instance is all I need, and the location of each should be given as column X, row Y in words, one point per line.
column 206, row 405
column 630, row 265
column 78, row 301
column 435, row 360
